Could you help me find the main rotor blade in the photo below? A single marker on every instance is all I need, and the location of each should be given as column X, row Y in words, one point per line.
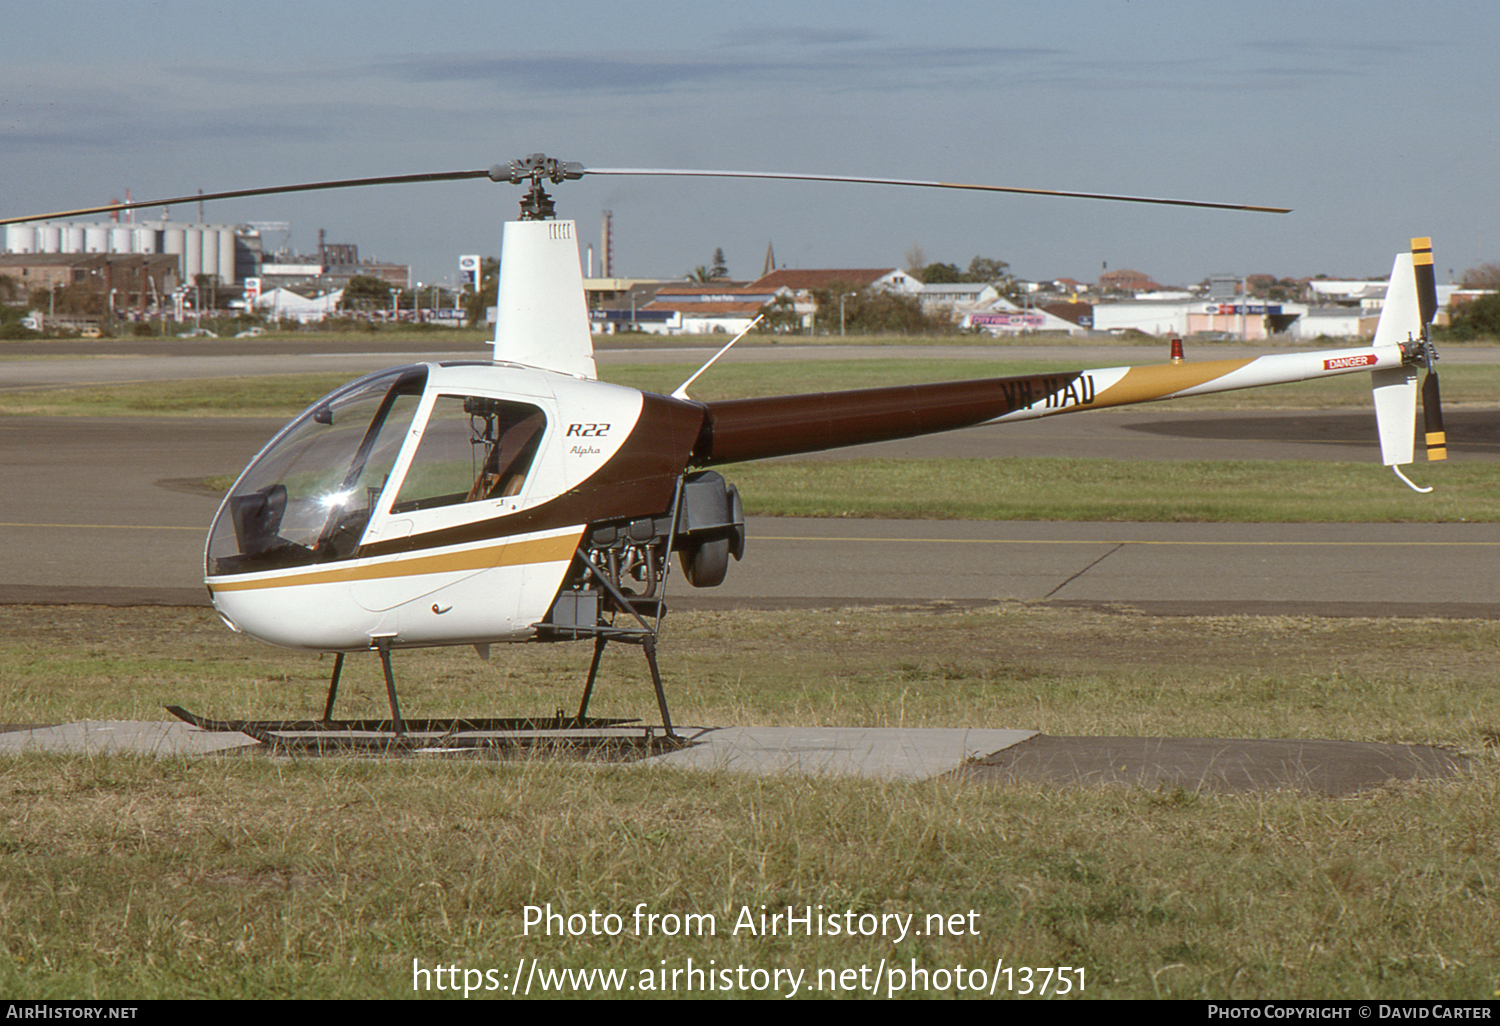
column 645, row 171
column 110, row 208
column 493, row 173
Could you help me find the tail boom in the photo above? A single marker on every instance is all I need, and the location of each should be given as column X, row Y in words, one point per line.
column 749, row 429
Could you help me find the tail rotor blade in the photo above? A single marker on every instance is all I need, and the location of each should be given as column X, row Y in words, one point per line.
column 1421, row 260
column 1432, row 418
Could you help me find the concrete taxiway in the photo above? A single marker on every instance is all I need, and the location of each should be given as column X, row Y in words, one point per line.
column 981, row 756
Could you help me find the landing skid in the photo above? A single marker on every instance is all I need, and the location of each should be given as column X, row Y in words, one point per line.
column 580, row 733
column 561, row 735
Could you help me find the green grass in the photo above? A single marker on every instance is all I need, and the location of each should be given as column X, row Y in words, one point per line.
column 132, row 878
column 1207, row 491
column 286, row 395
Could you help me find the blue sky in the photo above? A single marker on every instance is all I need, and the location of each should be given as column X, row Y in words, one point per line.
column 1373, row 120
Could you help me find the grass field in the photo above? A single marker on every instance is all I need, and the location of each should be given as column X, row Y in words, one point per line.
column 329, row 878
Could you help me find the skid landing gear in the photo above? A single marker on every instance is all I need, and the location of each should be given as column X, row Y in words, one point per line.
column 580, row 733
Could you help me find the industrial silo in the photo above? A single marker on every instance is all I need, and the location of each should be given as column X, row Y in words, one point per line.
column 226, row 256
column 208, row 251
column 192, row 253
column 174, row 241
column 20, row 238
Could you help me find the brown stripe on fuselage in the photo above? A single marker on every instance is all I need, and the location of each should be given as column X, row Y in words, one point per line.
column 753, row 429
column 531, row 550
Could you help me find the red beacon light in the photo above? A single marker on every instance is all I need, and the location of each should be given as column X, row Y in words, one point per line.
column 1177, row 350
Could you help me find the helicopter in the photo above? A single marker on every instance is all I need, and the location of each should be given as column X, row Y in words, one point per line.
column 520, row 499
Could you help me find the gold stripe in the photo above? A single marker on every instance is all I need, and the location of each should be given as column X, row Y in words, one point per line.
column 1421, row 242
column 536, row 550
column 1142, row 384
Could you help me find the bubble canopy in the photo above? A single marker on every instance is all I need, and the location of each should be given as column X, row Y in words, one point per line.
column 309, row 494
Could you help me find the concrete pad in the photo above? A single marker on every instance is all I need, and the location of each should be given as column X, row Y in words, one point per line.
column 1335, row 768
column 878, row 753
column 116, row 737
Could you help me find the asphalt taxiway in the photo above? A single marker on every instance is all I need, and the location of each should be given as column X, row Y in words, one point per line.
column 114, row 510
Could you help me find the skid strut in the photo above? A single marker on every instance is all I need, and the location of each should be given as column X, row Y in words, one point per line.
column 648, row 646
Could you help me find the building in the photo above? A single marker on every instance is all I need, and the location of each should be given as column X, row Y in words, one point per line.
column 1003, row 317
column 714, row 307
column 1186, row 317
column 229, row 253
column 802, row 284
column 95, row 283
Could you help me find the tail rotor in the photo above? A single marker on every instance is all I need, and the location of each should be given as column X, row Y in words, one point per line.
column 1432, row 408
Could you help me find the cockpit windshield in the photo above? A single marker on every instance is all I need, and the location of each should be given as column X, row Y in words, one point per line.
column 308, row 497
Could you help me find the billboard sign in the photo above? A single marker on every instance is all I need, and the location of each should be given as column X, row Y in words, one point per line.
column 468, row 271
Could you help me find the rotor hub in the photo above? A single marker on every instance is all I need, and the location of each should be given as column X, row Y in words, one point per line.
column 537, row 204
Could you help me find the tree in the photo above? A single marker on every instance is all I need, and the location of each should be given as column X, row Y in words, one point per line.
column 478, row 301
column 365, row 292
column 988, row 271
column 1481, row 318
column 719, row 269
column 1485, row 276
column 916, row 259
column 780, row 317
column 940, row 274
column 874, row 312
column 207, row 286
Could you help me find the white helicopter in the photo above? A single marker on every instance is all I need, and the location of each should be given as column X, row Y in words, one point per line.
column 521, row 499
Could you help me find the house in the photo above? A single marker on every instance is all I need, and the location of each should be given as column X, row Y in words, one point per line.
column 956, row 296
column 802, row 283
column 1126, row 280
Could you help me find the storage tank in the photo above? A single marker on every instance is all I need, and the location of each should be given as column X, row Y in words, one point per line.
column 20, row 238
column 49, row 239
column 226, row 256
column 174, row 241
column 73, row 238
column 121, row 240
column 145, row 240
column 95, row 239
column 192, row 253
column 208, row 254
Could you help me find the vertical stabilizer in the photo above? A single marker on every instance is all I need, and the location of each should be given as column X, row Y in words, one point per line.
column 542, row 319
column 1401, row 315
